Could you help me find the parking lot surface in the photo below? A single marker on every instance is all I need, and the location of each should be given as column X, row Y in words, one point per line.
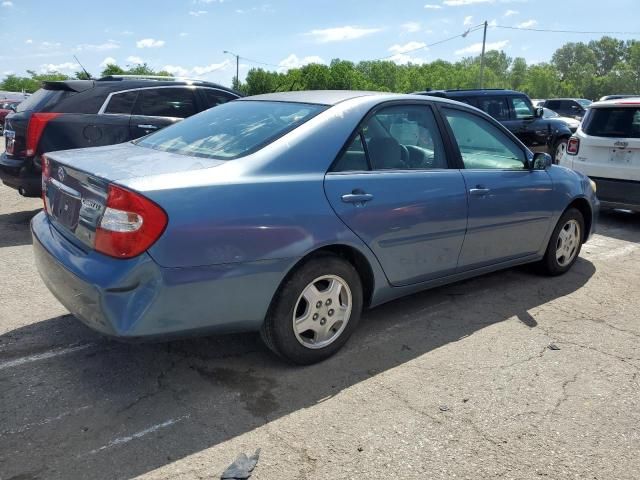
column 511, row 375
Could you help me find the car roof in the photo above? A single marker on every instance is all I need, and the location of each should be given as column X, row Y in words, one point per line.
column 470, row 92
column 320, row 97
column 113, row 84
column 575, row 99
column 628, row 102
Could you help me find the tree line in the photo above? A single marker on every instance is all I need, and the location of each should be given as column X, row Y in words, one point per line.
column 577, row 69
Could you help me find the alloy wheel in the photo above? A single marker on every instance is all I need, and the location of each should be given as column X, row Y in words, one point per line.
column 568, row 243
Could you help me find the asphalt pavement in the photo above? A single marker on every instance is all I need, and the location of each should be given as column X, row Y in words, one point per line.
column 511, row 375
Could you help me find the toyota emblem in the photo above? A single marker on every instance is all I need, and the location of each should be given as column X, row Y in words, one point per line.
column 61, row 174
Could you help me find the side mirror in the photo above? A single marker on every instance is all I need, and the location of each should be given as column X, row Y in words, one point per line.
column 539, row 112
column 541, row 161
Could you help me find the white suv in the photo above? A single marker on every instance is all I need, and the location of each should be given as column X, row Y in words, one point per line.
column 606, row 147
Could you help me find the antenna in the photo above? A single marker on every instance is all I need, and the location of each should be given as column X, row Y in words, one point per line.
column 83, row 69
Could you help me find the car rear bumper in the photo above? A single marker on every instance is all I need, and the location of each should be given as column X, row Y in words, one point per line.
column 137, row 298
column 614, row 193
column 17, row 173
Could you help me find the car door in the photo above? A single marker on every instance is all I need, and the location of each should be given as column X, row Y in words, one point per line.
column 158, row 107
column 393, row 187
column 533, row 131
column 510, row 206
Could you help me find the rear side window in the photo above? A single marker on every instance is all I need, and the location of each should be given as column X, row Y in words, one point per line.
column 165, row 102
column 231, row 130
column 481, row 144
column 552, row 104
column 521, row 107
column 495, row 106
column 213, row 98
column 122, row 103
column 43, row 100
column 613, row 122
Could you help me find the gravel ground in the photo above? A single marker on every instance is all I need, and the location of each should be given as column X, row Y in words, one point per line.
column 510, row 375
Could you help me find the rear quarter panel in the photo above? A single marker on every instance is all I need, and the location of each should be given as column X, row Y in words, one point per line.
column 79, row 130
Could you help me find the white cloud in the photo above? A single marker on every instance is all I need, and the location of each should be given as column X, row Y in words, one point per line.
column 527, row 24
column 411, row 27
column 467, row 20
column 430, row 6
column 132, row 59
column 7, row 4
column 401, row 59
column 293, row 61
column 339, row 34
column 197, row 71
column 510, row 13
column 99, row 47
column 183, row 34
column 108, row 61
column 60, row 67
column 407, row 47
column 47, row 45
column 149, row 43
column 460, row 3
column 493, row 23
column 476, row 48
column 197, row 13
column 28, row 41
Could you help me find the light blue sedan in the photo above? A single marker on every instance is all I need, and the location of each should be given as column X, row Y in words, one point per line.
column 289, row 213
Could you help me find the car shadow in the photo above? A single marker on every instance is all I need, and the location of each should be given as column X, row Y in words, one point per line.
column 119, row 410
column 619, row 224
column 14, row 228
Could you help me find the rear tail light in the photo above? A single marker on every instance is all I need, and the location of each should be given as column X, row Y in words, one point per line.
column 37, row 122
column 573, row 146
column 46, row 173
column 131, row 223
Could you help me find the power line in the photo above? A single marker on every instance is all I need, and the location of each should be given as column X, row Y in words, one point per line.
column 564, row 31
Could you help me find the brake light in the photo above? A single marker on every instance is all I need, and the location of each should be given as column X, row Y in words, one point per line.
column 46, row 173
column 37, row 122
column 573, row 146
column 131, row 223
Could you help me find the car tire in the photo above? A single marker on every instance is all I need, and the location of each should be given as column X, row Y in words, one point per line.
column 565, row 244
column 315, row 310
column 560, row 150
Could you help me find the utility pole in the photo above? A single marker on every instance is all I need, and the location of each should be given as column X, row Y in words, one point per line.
column 484, row 42
column 237, row 78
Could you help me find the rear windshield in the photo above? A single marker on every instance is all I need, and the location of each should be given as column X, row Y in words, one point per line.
column 613, row 122
column 231, row 130
column 43, row 99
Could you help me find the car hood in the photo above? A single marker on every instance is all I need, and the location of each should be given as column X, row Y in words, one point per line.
column 128, row 160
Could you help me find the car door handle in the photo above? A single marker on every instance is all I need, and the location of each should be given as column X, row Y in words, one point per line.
column 148, row 126
column 479, row 191
column 357, row 198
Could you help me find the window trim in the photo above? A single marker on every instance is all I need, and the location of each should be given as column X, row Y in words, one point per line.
column 372, row 112
column 454, row 144
column 194, row 88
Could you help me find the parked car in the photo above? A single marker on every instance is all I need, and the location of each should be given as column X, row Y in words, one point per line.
column 82, row 113
column 571, row 122
column 537, row 102
column 516, row 112
column 568, row 107
column 606, row 147
column 617, row 97
column 6, row 107
column 288, row 213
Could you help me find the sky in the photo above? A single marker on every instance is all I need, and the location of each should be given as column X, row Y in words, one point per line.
column 189, row 37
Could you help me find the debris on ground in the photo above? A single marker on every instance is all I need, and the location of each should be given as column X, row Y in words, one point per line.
column 242, row 467
column 553, row 346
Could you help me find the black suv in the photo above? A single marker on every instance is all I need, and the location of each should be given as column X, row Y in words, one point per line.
column 516, row 112
column 568, row 107
column 88, row 113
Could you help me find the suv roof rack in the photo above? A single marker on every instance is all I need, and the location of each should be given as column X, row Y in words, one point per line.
column 148, row 77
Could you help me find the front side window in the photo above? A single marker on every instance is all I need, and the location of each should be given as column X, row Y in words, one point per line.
column 165, row 102
column 521, row 107
column 400, row 137
column 231, row 130
column 121, row 103
column 495, row 106
column 482, row 145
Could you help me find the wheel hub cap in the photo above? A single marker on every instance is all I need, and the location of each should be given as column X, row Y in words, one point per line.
column 322, row 311
column 568, row 243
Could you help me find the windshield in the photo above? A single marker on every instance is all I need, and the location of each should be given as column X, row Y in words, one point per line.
column 549, row 113
column 231, row 130
column 584, row 102
column 43, row 99
column 613, row 122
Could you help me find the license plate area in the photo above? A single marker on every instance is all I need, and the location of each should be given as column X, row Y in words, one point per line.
column 624, row 156
column 65, row 206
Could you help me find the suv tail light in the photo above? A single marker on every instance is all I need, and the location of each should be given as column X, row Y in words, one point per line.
column 573, row 146
column 37, row 122
column 46, row 173
column 131, row 223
